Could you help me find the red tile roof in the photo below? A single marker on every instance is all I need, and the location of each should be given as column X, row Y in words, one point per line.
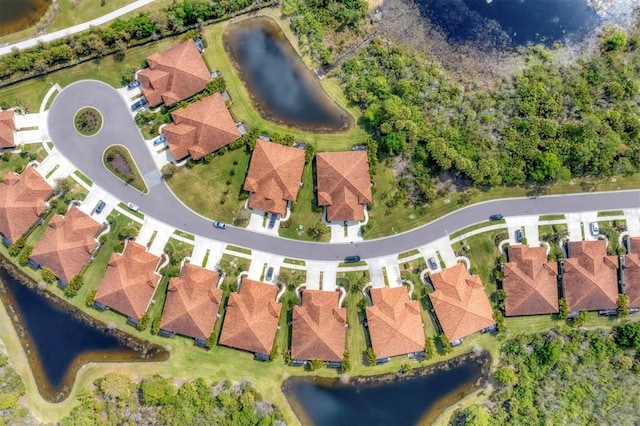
column 67, row 244
column 174, row 75
column 344, row 185
column 395, row 324
column 252, row 316
column 461, row 305
column 274, row 176
column 530, row 282
column 22, row 201
column 7, row 129
column 130, row 281
column 632, row 274
column 318, row 327
column 192, row 302
column 200, row 128
column 590, row 277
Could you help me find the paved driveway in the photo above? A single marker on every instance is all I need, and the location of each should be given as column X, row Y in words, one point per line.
column 86, row 154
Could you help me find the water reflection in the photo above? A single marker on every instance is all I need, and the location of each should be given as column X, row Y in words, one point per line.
column 17, row 15
column 283, row 88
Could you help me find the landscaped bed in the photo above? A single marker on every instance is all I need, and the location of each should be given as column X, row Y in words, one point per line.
column 88, row 121
column 118, row 161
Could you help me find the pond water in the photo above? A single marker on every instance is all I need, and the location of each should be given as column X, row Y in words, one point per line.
column 283, row 89
column 380, row 401
column 509, row 23
column 58, row 343
column 16, row 15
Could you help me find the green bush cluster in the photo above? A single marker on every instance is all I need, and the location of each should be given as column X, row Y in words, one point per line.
column 74, row 286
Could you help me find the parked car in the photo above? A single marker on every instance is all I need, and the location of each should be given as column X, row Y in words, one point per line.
column 138, row 104
column 100, row 207
column 432, row 263
column 496, row 217
column 132, row 206
column 352, row 259
column 219, row 225
column 595, row 229
column 272, row 220
column 133, row 84
column 161, row 139
column 269, row 274
column 518, row 235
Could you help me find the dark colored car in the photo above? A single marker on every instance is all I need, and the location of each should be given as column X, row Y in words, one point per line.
column 496, row 217
column 432, row 263
column 133, row 84
column 160, row 140
column 269, row 274
column 219, row 225
column 352, row 259
column 272, row 220
column 100, row 207
column 138, row 104
column 518, row 235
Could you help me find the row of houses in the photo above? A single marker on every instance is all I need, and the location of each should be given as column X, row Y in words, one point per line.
column 588, row 279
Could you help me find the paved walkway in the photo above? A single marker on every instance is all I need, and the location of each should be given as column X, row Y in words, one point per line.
column 632, row 217
column 75, row 29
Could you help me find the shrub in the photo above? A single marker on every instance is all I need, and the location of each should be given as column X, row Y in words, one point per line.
column 346, row 362
column 143, row 322
column 623, row 305
column 429, row 348
column 156, row 391
column 315, row 364
column 371, row 357
column 74, row 286
column 48, row 276
column 563, row 309
column 90, row 298
column 446, row 345
column 25, row 255
column 155, row 324
column 17, row 246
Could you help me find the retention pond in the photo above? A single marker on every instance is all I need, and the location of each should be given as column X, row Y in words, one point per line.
column 283, row 89
column 419, row 396
column 16, row 15
column 58, row 340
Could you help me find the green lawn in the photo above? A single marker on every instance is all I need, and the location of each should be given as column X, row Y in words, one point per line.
column 477, row 226
column 303, row 212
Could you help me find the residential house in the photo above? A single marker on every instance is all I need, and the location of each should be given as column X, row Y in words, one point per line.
column 318, row 327
column 7, row 129
column 530, row 282
column 631, row 272
column 344, row 184
column 460, row 303
column 174, row 75
column 274, row 176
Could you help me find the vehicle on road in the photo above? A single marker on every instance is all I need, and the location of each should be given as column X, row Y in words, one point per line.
column 269, row 274
column 100, row 207
column 496, row 217
column 432, row 263
column 138, row 104
column 161, row 139
column 132, row 207
column 518, row 235
column 272, row 220
column 352, row 259
column 133, row 84
column 595, row 229
column 219, row 225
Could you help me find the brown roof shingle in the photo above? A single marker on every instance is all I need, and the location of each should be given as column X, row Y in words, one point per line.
column 67, row 244
column 530, row 282
column 130, row 281
column 174, row 75
column 344, row 185
column 461, row 305
column 395, row 324
column 252, row 316
column 200, row 128
column 7, row 129
column 590, row 278
column 22, row 201
column 192, row 304
column 318, row 327
column 274, row 176
column 632, row 273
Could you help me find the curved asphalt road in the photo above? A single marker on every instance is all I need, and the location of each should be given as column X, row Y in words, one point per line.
column 118, row 128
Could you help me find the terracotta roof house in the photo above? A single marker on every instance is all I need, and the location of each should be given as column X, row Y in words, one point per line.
column 129, row 282
column 174, row 75
column 590, row 277
column 344, row 185
column 460, row 303
column 252, row 316
column 200, row 128
column 395, row 324
column 192, row 304
column 530, row 282
column 318, row 327
column 631, row 273
column 7, row 129
column 22, row 201
column 67, row 244
column 274, row 176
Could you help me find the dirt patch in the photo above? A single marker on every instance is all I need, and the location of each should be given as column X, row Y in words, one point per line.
column 120, row 164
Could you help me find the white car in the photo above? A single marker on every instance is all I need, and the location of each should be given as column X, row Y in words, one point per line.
column 132, row 207
column 595, row 229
